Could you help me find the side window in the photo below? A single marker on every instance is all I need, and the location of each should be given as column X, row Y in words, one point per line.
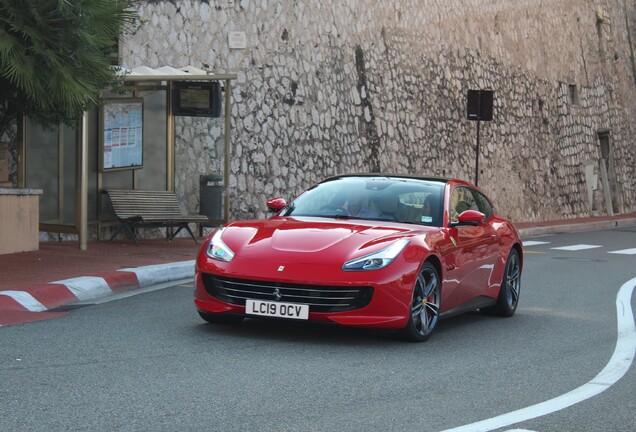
column 461, row 200
column 483, row 204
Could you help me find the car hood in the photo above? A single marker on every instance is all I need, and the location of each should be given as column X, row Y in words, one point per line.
column 313, row 240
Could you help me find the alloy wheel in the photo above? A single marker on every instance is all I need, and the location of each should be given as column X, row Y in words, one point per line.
column 426, row 301
column 512, row 280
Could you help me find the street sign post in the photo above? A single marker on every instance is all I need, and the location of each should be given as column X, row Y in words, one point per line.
column 479, row 108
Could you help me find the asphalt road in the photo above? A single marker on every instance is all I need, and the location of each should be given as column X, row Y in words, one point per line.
column 149, row 363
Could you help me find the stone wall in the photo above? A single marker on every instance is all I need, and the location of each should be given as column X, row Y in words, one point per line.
column 335, row 86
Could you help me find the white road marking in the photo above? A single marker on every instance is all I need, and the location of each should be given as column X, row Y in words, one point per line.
column 577, row 247
column 533, row 243
column 26, row 300
column 617, row 366
column 624, row 252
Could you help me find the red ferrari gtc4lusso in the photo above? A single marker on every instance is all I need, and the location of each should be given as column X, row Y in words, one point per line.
column 382, row 251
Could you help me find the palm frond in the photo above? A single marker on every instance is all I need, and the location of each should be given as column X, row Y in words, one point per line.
column 54, row 58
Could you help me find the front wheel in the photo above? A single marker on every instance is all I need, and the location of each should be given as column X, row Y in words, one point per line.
column 425, row 305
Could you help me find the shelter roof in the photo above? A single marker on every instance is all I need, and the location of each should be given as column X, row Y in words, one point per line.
column 169, row 73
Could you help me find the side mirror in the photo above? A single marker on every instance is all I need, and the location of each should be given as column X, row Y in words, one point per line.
column 276, row 204
column 471, row 217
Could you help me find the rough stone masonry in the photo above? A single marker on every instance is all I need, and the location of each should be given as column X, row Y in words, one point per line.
column 334, row 86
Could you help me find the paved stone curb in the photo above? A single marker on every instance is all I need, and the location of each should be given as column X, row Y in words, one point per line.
column 28, row 305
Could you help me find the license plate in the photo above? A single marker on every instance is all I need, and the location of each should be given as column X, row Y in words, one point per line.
column 276, row 309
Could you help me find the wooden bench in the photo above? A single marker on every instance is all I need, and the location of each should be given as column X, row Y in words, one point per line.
column 143, row 209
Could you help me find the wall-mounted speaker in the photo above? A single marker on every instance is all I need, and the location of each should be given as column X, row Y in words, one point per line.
column 480, row 105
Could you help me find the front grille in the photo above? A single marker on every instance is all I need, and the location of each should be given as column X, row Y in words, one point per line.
column 320, row 298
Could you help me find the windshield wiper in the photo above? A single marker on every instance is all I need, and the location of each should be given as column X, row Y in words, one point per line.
column 344, row 216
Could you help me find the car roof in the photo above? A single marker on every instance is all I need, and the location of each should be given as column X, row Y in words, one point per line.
column 387, row 175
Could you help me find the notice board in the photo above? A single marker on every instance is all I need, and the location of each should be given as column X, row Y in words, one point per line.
column 121, row 140
column 4, row 165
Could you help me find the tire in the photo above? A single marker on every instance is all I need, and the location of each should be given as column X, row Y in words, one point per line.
column 508, row 298
column 216, row 318
column 425, row 305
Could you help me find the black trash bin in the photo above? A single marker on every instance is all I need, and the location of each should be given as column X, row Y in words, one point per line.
column 211, row 197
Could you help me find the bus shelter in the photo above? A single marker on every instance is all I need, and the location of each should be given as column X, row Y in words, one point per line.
column 126, row 143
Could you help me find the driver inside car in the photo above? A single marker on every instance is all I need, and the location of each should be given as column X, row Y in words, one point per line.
column 356, row 205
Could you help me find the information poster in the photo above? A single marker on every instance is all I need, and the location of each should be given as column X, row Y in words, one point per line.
column 122, row 134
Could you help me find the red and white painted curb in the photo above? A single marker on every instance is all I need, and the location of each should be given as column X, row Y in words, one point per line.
column 37, row 302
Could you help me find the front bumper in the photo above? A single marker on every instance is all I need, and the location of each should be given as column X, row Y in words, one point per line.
column 388, row 306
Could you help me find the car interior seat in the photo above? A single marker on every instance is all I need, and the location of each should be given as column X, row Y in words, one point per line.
column 387, row 206
column 433, row 217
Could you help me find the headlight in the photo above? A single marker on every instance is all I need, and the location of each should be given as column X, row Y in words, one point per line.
column 377, row 260
column 217, row 249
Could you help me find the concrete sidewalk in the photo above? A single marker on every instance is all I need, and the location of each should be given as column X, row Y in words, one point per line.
column 533, row 229
column 33, row 284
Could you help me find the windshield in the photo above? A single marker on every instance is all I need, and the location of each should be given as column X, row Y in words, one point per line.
column 373, row 198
